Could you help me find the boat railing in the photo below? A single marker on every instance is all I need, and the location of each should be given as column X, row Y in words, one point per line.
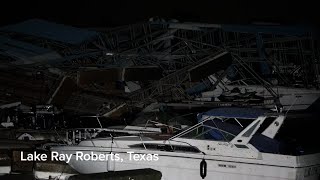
column 193, row 127
column 74, row 136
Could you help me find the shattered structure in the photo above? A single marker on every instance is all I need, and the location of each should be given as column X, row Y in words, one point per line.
column 95, row 71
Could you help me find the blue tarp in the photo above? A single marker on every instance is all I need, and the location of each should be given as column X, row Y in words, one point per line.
column 51, row 31
column 234, row 112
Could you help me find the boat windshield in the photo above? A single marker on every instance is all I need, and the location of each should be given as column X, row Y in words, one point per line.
column 208, row 131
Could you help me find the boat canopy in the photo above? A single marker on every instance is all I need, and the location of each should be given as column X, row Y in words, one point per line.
column 233, row 112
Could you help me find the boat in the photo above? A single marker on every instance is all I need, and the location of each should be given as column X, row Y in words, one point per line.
column 5, row 163
column 290, row 98
column 220, row 146
column 152, row 128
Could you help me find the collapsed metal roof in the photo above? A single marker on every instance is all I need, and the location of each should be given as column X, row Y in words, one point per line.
column 265, row 29
column 51, row 31
column 182, row 54
column 25, row 53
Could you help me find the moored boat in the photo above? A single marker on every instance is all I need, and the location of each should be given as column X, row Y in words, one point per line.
column 218, row 147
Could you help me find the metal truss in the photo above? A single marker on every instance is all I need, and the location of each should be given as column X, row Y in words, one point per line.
column 177, row 47
column 290, row 58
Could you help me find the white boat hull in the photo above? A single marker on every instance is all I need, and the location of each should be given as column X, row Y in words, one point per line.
column 185, row 155
column 175, row 167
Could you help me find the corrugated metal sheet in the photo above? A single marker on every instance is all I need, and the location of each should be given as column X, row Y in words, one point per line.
column 25, row 53
column 51, row 31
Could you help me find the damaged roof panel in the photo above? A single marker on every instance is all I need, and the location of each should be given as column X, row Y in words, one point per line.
column 51, row 31
column 25, row 53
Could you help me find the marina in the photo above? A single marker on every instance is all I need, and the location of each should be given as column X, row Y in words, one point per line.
column 158, row 98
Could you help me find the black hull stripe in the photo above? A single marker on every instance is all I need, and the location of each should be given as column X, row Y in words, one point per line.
column 210, row 159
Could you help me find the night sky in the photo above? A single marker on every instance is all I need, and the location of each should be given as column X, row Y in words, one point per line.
column 109, row 13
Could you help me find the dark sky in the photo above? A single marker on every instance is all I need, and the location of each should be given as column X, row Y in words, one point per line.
column 113, row 13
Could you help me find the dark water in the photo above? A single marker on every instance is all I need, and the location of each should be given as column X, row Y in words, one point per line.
column 17, row 177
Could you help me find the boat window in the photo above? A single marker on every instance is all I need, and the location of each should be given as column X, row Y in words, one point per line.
column 166, row 147
column 209, row 133
column 252, row 128
column 241, row 146
column 266, row 124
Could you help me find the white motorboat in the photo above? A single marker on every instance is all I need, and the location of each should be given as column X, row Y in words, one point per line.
column 290, row 98
column 215, row 148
